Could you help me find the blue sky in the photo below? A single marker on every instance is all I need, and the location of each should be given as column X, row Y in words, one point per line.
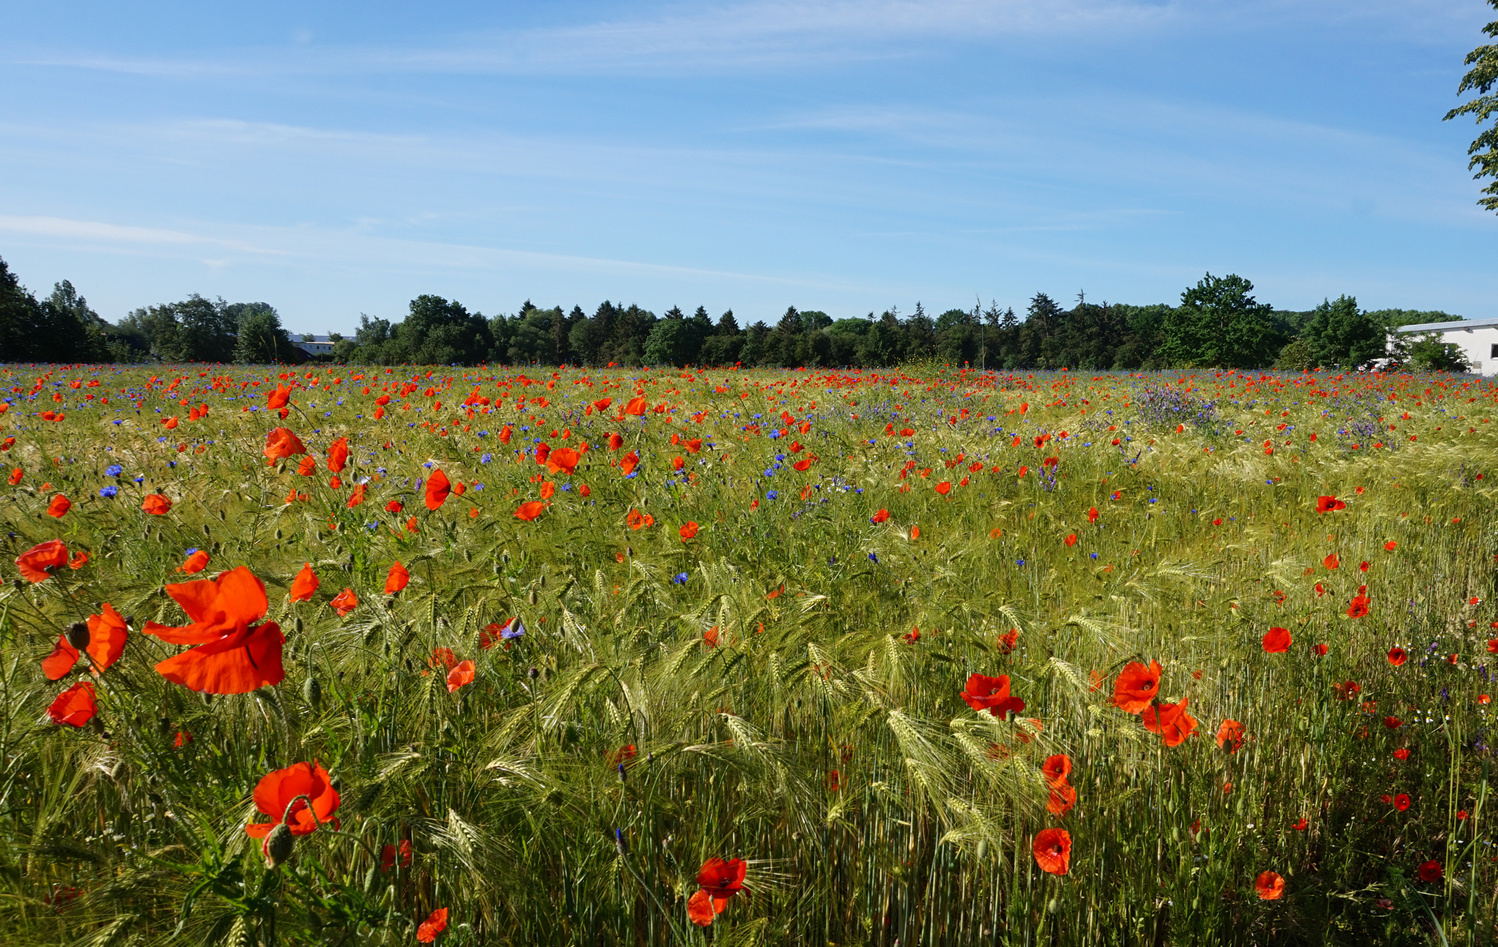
column 845, row 156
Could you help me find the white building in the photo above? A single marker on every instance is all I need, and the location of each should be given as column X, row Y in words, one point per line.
column 1477, row 338
column 313, row 344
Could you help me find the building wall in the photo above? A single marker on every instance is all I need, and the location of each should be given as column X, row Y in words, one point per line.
column 1477, row 345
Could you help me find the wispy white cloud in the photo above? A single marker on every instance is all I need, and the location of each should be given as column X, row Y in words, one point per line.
column 750, row 35
column 93, row 231
column 746, row 35
column 312, row 247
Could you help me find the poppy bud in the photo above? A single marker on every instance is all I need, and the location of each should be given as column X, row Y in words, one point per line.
column 164, row 725
column 78, row 635
column 312, row 692
column 530, row 596
column 278, row 532
column 533, row 673
column 277, row 847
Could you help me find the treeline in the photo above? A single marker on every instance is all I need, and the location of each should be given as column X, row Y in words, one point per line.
column 1218, row 323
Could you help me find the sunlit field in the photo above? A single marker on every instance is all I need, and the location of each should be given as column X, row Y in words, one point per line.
column 643, row 657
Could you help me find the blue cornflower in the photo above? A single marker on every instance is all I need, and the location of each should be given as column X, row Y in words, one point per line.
column 113, row 470
column 771, row 495
column 679, row 579
column 109, row 492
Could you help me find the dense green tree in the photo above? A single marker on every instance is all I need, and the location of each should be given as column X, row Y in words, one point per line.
column 1483, row 152
column 20, row 319
column 1340, row 335
column 1219, row 324
column 535, row 337
column 668, row 342
column 1429, row 352
column 723, row 345
column 439, row 332
column 261, row 339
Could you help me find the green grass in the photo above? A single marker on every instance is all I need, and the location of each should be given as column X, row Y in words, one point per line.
column 505, row 788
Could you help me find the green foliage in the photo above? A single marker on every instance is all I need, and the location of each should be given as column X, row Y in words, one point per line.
column 1340, row 335
column 1480, row 78
column 1220, row 325
column 261, row 340
column 1430, row 353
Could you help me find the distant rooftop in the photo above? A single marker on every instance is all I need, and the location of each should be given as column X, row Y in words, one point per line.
column 1450, row 326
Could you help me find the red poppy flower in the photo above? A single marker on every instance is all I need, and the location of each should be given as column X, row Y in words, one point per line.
column 74, row 707
column 59, row 505
column 1230, row 735
column 156, row 504
column 991, row 694
column 304, row 584
column 338, row 455
column 106, row 642
column 1358, row 607
column 1092, row 514
column 280, row 443
column 688, row 531
column 720, row 881
column 879, row 517
column 563, row 460
column 1056, row 768
column 1136, row 686
column 35, row 563
column 1300, row 824
column 530, row 510
column 1061, row 799
column 231, row 656
column 1008, row 640
column 345, row 602
column 1402, row 801
column 15, row 476
column 1347, row 690
column 1402, row 754
column 1432, row 871
column 1170, row 721
column 1270, row 886
column 1319, row 650
column 195, row 563
column 636, row 406
column 1277, row 641
column 460, row 675
column 1397, row 656
column 390, row 854
column 435, row 924
column 307, row 467
column 629, row 463
column 437, row 489
column 397, row 579
column 1331, row 561
column 1329, row 504
column 277, row 399
column 623, row 755
column 1053, row 851
column 279, row 790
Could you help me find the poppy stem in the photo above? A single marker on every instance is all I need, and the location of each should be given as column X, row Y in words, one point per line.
column 286, row 816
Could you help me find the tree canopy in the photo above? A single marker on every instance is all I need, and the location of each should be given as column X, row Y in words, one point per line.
column 1483, row 152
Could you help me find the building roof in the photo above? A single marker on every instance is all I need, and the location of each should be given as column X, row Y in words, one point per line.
column 1450, row 326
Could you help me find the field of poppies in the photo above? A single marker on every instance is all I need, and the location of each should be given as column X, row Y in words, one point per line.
column 388, row 656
